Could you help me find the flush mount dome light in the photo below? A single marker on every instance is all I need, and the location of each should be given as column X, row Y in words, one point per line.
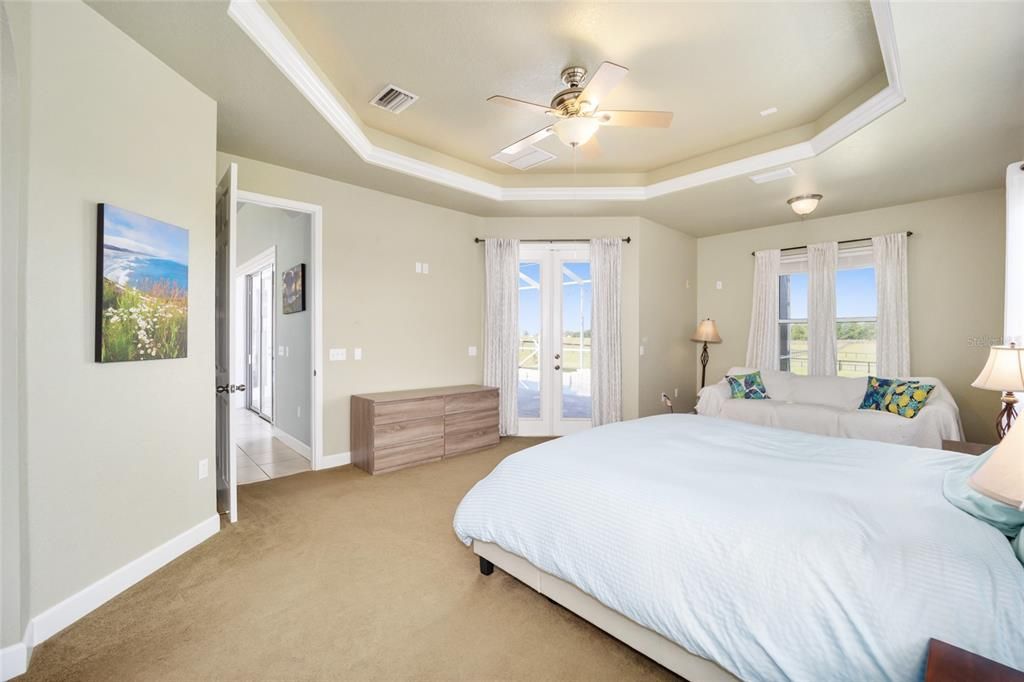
column 804, row 204
column 576, row 130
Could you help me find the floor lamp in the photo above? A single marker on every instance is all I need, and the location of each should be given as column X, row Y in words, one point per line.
column 707, row 333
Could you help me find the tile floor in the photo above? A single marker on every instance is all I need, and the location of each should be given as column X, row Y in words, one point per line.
column 262, row 457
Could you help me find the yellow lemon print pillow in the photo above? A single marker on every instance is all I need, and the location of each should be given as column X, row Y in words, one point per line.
column 906, row 398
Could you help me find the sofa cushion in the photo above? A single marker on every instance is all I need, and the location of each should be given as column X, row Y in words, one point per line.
column 906, row 398
column 748, row 387
column 875, row 393
column 820, row 419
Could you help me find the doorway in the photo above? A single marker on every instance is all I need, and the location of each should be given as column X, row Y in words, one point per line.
column 247, row 294
column 555, row 296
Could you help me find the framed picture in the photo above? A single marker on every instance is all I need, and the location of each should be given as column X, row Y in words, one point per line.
column 294, row 290
column 141, row 287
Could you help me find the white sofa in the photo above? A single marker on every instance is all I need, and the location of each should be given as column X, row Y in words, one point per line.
column 829, row 406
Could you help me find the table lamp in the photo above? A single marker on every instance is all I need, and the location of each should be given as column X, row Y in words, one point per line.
column 1004, row 372
column 1002, row 476
column 708, row 333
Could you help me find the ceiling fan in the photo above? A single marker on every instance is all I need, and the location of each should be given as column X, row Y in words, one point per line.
column 577, row 109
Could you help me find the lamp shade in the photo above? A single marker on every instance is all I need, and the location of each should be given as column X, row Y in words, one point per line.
column 706, row 332
column 1004, row 370
column 1002, row 476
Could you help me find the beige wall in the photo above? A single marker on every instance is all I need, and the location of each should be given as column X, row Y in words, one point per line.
column 668, row 316
column 955, row 278
column 415, row 330
column 111, row 473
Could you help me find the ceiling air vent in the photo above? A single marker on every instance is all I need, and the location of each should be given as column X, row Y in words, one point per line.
column 394, row 99
column 525, row 158
column 772, row 176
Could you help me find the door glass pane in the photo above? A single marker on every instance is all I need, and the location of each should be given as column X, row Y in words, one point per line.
column 575, row 345
column 528, row 390
column 253, row 350
column 267, row 330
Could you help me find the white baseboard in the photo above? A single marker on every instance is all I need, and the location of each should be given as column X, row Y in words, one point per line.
column 56, row 618
column 337, row 460
column 13, row 660
column 292, row 442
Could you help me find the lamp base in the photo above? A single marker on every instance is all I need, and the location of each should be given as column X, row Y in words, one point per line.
column 1007, row 415
column 704, row 364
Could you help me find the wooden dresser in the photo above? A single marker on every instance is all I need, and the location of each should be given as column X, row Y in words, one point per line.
column 398, row 429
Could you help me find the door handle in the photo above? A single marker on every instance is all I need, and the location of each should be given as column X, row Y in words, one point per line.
column 558, row 367
column 231, row 388
column 557, row 356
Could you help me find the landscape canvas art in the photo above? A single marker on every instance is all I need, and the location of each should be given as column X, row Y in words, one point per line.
column 294, row 289
column 141, row 287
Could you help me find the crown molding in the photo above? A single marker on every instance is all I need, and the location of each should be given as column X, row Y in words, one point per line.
column 258, row 23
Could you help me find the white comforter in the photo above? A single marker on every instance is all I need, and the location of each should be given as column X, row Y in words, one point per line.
column 778, row 554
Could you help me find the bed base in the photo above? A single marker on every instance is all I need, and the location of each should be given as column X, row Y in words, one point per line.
column 647, row 642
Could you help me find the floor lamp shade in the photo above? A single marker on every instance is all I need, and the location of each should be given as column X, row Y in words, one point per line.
column 1002, row 476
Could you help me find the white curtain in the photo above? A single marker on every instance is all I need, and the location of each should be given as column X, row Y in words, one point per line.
column 821, row 308
column 763, row 342
column 606, row 337
column 890, row 254
column 501, row 328
column 1013, row 309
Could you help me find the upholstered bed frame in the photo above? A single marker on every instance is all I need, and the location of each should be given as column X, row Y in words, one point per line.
column 647, row 642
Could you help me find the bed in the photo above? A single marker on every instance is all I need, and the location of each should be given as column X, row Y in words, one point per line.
column 723, row 549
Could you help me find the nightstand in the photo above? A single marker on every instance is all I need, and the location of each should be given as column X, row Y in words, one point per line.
column 965, row 447
column 947, row 663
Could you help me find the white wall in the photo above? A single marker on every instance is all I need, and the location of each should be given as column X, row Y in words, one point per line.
column 290, row 234
column 111, row 451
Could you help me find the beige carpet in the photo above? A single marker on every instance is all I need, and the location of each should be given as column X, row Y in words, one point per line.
column 339, row 575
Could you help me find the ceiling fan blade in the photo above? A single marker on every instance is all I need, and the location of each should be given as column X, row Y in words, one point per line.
column 520, row 104
column 528, row 140
column 636, row 119
column 589, row 151
column 606, row 79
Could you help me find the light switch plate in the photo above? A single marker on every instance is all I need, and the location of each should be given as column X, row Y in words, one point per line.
column 204, row 468
column 419, row 267
column 641, row 351
column 472, row 351
column 357, row 353
column 426, row 268
column 718, row 284
column 280, row 351
column 336, row 354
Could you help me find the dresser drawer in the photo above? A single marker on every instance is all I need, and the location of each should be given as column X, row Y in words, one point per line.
column 471, row 402
column 409, row 453
column 388, row 413
column 399, row 433
column 470, row 421
column 465, row 441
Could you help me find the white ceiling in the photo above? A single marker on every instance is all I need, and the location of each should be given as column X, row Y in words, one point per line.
column 715, row 65
column 962, row 67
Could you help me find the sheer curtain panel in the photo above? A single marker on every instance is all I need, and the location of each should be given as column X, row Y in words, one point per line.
column 606, row 323
column 501, row 328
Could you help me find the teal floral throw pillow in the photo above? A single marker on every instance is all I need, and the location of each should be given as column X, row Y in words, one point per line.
column 748, row 387
column 875, row 394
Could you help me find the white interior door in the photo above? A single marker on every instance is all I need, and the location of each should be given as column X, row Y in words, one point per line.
column 227, row 480
column 554, row 339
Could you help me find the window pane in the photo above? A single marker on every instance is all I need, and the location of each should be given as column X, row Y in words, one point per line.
column 855, row 348
column 575, row 360
column 528, row 390
column 855, row 293
column 793, row 296
column 793, row 345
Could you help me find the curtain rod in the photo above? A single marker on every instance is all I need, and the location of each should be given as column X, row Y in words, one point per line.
column 842, row 241
column 478, row 240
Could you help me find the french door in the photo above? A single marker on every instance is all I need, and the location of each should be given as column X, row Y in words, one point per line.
column 259, row 288
column 553, row 390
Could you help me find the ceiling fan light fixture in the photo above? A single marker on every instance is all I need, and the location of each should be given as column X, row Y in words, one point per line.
column 804, row 204
column 576, row 130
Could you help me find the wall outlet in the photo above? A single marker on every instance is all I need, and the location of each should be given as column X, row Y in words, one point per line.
column 419, row 267
column 687, row 284
column 641, row 351
column 357, row 353
column 426, row 268
column 336, row 354
column 280, row 351
column 204, row 468
column 298, row 411
column 675, row 394
column 472, row 351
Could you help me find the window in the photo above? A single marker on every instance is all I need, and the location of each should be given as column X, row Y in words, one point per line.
column 856, row 314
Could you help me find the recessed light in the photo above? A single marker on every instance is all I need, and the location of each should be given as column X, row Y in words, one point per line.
column 769, row 111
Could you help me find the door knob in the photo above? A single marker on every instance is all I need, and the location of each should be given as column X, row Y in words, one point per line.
column 557, row 356
column 558, row 367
